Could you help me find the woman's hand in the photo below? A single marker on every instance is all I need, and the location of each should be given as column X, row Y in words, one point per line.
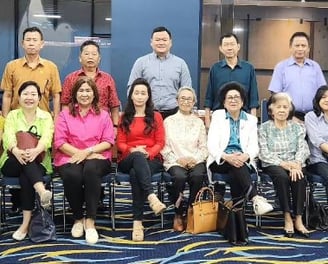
column 296, row 174
column 31, row 154
column 236, row 159
column 79, row 156
column 142, row 149
column 20, row 155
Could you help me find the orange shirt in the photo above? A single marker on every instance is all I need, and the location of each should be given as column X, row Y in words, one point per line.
column 45, row 74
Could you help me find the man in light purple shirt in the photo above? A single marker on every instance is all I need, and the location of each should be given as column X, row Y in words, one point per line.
column 298, row 75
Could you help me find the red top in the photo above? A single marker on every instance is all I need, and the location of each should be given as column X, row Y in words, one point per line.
column 106, row 87
column 154, row 141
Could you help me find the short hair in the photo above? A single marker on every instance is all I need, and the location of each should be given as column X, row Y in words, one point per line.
column 32, row 29
column 187, row 88
column 231, row 86
column 161, row 29
column 299, row 34
column 229, row 35
column 29, row 83
column 316, row 99
column 88, row 43
column 278, row 97
column 76, row 87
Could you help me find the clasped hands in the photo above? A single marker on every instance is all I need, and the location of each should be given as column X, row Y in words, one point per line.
column 187, row 162
column 236, row 159
column 84, row 154
column 140, row 148
column 25, row 156
column 294, row 168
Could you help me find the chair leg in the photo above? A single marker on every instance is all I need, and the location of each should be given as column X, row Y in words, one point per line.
column 112, row 203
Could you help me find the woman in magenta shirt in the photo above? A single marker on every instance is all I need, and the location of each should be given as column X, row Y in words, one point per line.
column 84, row 135
column 140, row 139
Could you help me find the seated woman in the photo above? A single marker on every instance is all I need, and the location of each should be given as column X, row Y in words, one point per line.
column 84, row 135
column 283, row 152
column 185, row 152
column 316, row 124
column 140, row 139
column 15, row 162
column 233, row 145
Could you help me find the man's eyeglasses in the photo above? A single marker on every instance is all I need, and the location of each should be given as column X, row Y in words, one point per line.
column 233, row 98
column 186, row 99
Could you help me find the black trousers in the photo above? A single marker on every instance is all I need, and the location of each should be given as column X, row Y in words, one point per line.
column 166, row 113
column 239, row 178
column 180, row 176
column 140, row 170
column 321, row 168
column 284, row 187
column 82, row 184
column 28, row 175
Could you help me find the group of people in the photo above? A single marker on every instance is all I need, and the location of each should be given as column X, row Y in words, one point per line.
column 158, row 131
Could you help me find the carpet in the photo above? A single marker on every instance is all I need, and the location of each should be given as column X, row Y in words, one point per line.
column 267, row 245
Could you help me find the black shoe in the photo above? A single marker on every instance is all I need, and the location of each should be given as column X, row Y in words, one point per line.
column 303, row 233
column 288, row 233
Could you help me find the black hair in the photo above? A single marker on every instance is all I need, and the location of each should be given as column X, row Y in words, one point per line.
column 228, row 87
column 33, row 29
column 29, row 83
column 129, row 111
column 318, row 96
column 89, row 42
column 161, row 29
column 299, row 34
column 228, row 35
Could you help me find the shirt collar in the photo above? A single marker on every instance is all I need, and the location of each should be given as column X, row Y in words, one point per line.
column 168, row 55
column 40, row 114
column 242, row 115
column 24, row 61
column 223, row 63
column 292, row 61
column 81, row 72
column 91, row 110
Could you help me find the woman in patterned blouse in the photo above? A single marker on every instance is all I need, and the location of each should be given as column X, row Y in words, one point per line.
column 283, row 152
column 185, row 152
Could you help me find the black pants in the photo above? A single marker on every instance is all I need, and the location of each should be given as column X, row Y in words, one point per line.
column 180, row 176
column 28, row 175
column 166, row 113
column 321, row 168
column 82, row 183
column 140, row 170
column 239, row 178
column 284, row 186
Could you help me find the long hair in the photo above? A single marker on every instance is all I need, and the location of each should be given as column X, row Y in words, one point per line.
column 130, row 111
column 318, row 96
column 76, row 87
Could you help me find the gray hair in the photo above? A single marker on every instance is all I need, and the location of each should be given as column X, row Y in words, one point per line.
column 187, row 88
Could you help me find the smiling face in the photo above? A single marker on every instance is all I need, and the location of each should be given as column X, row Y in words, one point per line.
column 29, row 98
column 85, row 95
column 161, row 43
column 186, row 101
column 140, row 95
column 233, row 102
column 323, row 103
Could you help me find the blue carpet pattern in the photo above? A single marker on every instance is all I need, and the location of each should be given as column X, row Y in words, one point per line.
column 267, row 245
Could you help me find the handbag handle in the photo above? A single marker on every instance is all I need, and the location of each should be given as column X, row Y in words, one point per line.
column 244, row 198
column 33, row 130
column 200, row 194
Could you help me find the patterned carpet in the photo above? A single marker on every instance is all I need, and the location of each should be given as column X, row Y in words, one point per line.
column 267, row 245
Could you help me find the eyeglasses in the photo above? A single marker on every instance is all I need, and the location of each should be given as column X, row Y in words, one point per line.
column 186, row 99
column 235, row 98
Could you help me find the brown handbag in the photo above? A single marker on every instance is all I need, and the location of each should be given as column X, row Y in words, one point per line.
column 29, row 139
column 202, row 215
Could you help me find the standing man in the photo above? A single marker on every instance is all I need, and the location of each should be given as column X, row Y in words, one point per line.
column 231, row 68
column 298, row 76
column 165, row 72
column 90, row 59
column 31, row 67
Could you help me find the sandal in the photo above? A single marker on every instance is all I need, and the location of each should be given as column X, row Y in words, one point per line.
column 155, row 204
column 45, row 199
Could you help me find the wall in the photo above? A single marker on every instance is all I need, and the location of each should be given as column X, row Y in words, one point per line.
column 132, row 24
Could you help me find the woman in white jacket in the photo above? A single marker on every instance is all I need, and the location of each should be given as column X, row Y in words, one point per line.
column 233, row 145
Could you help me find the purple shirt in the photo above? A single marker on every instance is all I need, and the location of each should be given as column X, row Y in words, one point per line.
column 82, row 132
column 300, row 82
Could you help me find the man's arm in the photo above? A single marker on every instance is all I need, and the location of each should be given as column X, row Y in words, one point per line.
column 6, row 102
column 56, row 102
column 115, row 114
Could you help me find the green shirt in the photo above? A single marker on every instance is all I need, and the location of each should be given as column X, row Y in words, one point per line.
column 15, row 121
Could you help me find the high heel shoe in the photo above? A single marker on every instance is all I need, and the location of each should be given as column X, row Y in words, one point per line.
column 19, row 235
column 155, row 204
column 303, row 233
column 137, row 233
column 289, row 233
